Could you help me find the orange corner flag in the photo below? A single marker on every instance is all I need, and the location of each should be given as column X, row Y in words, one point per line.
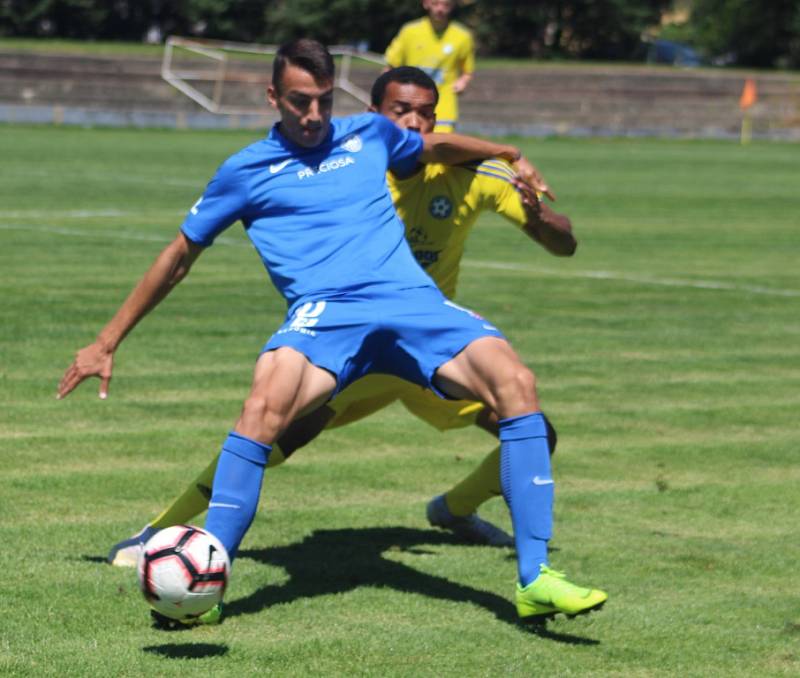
column 749, row 94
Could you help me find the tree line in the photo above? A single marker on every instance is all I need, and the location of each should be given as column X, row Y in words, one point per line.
column 763, row 33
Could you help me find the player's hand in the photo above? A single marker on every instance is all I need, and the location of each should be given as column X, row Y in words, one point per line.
column 461, row 84
column 94, row 360
column 552, row 230
column 531, row 176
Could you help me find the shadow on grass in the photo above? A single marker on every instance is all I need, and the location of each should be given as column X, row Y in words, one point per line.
column 93, row 559
column 337, row 561
column 188, row 650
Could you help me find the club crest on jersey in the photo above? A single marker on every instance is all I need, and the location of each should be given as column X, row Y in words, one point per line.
column 305, row 317
column 440, row 207
column 352, row 144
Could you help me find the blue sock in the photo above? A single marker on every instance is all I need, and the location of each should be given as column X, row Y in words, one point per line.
column 237, row 484
column 528, row 489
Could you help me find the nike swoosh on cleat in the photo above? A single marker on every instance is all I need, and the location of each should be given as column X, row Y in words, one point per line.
column 542, row 481
column 217, row 504
column 277, row 167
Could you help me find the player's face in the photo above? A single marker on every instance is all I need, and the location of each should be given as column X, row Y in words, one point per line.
column 409, row 106
column 305, row 106
column 439, row 11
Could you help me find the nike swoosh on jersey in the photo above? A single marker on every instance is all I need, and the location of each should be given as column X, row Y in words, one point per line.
column 277, row 167
column 542, row 481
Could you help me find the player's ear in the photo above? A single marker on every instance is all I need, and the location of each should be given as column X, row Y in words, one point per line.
column 272, row 96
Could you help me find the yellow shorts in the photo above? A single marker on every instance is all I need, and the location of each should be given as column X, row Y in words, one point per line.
column 375, row 391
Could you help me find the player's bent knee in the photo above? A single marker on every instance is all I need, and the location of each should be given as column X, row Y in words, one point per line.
column 522, row 382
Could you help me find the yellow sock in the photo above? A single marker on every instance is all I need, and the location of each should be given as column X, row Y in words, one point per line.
column 193, row 501
column 479, row 486
column 195, row 498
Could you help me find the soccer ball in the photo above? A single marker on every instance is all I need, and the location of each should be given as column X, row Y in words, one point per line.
column 183, row 571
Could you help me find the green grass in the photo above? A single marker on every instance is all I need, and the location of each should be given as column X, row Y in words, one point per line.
column 668, row 355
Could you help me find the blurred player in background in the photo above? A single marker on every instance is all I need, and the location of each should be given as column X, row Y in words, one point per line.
column 444, row 50
column 438, row 205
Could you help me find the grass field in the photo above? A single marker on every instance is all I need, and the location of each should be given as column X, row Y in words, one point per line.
column 668, row 355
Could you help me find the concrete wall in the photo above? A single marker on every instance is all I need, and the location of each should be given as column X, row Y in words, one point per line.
column 529, row 100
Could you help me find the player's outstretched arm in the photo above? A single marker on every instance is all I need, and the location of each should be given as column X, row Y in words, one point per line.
column 97, row 359
column 551, row 230
column 455, row 149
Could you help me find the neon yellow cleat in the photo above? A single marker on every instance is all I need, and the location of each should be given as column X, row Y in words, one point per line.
column 210, row 618
column 551, row 593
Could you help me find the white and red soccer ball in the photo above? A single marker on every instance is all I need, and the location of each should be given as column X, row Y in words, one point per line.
column 183, row 571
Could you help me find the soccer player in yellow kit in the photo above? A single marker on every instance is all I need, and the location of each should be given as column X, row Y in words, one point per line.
column 439, row 205
column 444, row 50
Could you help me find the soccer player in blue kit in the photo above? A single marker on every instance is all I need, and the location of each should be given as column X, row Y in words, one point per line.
column 314, row 202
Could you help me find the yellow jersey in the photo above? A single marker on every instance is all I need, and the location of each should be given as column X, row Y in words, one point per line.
column 444, row 56
column 440, row 204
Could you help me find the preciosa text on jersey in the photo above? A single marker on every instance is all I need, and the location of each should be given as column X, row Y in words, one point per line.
column 326, row 166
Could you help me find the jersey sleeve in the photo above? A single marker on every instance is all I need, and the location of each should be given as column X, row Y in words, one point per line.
column 468, row 55
column 403, row 146
column 222, row 203
column 394, row 53
column 497, row 192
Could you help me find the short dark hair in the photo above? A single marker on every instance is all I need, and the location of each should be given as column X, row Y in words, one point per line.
column 404, row 75
column 307, row 54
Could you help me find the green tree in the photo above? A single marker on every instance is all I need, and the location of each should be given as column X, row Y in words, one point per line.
column 340, row 21
column 132, row 19
column 760, row 33
column 599, row 29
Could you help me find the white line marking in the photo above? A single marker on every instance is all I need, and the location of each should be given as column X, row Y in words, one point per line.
column 629, row 277
column 118, row 178
column 469, row 263
column 114, row 235
column 68, row 214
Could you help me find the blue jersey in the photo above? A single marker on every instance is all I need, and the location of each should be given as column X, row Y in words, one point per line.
column 321, row 218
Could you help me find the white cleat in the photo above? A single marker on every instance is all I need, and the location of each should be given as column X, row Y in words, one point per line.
column 126, row 553
column 471, row 528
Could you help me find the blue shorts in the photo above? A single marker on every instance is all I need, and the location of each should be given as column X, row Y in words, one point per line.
column 408, row 333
